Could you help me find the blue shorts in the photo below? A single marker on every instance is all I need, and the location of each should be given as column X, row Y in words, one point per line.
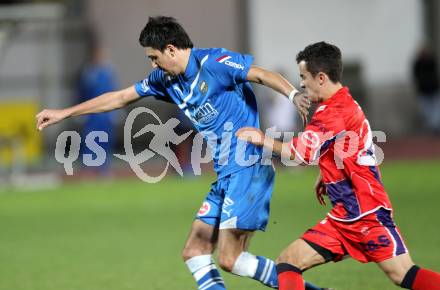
column 240, row 200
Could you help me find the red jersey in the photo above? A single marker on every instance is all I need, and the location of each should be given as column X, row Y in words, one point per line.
column 339, row 139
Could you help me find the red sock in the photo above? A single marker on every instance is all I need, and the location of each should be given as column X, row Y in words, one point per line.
column 426, row 280
column 289, row 277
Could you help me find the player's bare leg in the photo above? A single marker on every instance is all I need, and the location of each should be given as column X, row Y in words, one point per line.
column 232, row 242
column 197, row 254
column 296, row 258
column 397, row 267
column 301, row 255
column 234, row 258
column 404, row 273
column 202, row 240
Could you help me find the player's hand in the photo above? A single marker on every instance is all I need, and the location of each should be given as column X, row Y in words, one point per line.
column 302, row 104
column 251, row 135
column 49, row 117
column 320, row 190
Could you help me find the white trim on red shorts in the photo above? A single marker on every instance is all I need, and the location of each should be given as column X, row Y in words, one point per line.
column 358, row 217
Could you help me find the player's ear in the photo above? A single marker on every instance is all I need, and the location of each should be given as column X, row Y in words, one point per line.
column 322, row 78
column 171, row 49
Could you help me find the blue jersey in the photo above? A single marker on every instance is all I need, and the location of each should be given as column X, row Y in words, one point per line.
column 215, row 95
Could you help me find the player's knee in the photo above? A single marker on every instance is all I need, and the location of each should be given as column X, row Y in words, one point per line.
column 396, row 276
column 283, row 258
column 397, row 268
column 300, row 263
column 191, row 252
column 186, row 254
column 296, row 255
column 226, row 262
column 197, row 247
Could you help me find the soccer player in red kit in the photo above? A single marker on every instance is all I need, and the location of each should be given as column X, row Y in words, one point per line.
column 339, row 139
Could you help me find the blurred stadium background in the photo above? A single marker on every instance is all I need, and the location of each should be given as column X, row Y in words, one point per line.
column 112, row 231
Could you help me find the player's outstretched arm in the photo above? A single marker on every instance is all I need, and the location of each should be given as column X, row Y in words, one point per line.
column 278, row 83
column 258, row 138
column 103, row 103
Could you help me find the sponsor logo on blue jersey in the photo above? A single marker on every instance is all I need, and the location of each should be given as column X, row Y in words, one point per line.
column 225, row 59
column 205, row 113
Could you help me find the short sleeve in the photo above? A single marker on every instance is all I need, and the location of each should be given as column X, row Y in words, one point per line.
column 151, row 86
column 230, row 67
column 324, row 129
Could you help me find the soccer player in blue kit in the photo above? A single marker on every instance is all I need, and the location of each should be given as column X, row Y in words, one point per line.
column 212, row 88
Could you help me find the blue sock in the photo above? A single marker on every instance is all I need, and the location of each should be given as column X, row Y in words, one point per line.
column 205, row 273
column 261, row 269
column 257, row 268
column 266, row 272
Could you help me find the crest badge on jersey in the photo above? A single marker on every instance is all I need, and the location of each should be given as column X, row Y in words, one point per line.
column 310, row 138
column 203, row 87
column 204, row 209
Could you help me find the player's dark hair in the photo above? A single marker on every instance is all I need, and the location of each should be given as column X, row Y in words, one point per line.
column 161, row 31
column 322, row 57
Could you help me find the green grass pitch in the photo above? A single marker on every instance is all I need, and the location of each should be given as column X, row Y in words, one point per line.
column 128, row 234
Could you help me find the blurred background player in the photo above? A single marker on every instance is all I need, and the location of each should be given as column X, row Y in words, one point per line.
column 426, row 77
column 98, row 77
column 360, row 223
column 275, row 106
column 212, row 87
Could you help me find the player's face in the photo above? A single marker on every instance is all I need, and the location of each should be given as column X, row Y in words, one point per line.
column 164, row 60
column 310, row 84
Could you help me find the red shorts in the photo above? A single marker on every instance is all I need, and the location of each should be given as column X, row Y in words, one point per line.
column 373, row 238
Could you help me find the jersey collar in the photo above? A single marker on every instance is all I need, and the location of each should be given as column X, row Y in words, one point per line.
column 191, row 67
column 341, row 92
